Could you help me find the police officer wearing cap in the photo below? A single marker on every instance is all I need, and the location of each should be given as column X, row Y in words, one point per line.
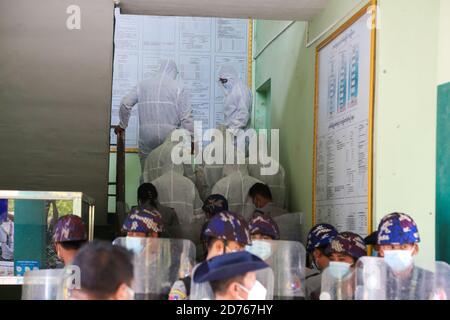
column 70, row 235
column 143, row 223
column 226, row 232
column 319, row 238
column 398, row 240
column 264, row 228
column 233, row 276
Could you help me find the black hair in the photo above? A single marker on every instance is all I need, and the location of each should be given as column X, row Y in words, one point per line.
column 72, row 245
column 147, row 195
column 104, row 267
column 208, row 243
column 372, row 239
column 260, row 189
column 221, row 286
column 310, row 257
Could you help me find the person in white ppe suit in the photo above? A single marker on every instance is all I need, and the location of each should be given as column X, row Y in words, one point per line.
column 178, row 192
column 234, row 186
column 157, row 160
column 237, row 102
column 211, row 171
column 162, row 155
column 162, row 106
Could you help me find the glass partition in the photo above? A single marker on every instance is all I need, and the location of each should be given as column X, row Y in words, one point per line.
column 27, row 220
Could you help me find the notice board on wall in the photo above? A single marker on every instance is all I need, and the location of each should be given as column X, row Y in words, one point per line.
column 198, row 45
column 344, row 101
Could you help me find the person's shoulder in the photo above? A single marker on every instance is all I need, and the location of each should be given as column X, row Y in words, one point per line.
column 423, row 273
column 276, row 209
column 221, row 182
column 171, row 82
column 311, row 273
column 148, row 82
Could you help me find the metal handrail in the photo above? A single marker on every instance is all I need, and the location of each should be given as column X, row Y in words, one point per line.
column 120, row 182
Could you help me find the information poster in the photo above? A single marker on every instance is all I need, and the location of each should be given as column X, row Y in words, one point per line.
column 343, row 121
column 199, row 46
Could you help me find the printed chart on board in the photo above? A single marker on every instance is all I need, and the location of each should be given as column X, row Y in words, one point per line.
column 342, row 140
column 199, row 46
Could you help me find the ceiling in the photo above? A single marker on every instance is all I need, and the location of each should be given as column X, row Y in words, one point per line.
column 300, row 10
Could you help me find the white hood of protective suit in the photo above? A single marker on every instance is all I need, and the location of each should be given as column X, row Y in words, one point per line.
column 234, row 187
column 228, row 72
column 168, row 67
column 178, row 192
column 229, row 169
column 237, row 99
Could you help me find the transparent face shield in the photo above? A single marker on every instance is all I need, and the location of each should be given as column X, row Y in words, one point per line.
column 50, row 284
column 287, row 260
column 441, row 282
column 158, row 263
column 338, row 282
column 371, row 279
column 189, row 231
column 377, row 280
column 289, row 224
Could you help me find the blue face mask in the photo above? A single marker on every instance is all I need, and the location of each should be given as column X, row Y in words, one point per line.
column 339, row 270
column 260, row 249
column 399, row 260
column 134, row 244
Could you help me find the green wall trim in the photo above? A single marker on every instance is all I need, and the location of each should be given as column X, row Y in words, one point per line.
column 443, row 174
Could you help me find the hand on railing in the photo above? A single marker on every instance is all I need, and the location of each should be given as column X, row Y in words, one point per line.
column 118, row 130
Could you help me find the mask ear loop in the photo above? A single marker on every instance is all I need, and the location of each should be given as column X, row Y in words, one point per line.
column 243, row 288
column 225, row 244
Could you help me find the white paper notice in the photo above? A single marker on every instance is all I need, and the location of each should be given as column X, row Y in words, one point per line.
column 231, row 35
column 195, row 76
column 127, row 33
column 195, row 34
column 126, row 66
column 199, row 46
column 343, row 130
column 159, row 34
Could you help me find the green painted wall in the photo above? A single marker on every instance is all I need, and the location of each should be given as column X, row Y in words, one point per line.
column 290, row 67
column 405, row 110
column 405, row 118
column 132, row 176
